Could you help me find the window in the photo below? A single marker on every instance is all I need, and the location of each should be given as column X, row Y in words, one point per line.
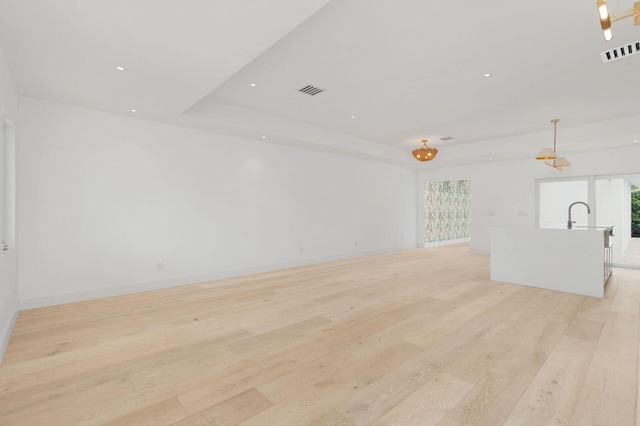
column 554, row 199
column 610, row 201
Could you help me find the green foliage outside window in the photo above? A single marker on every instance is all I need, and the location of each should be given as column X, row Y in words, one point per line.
column 635, row 211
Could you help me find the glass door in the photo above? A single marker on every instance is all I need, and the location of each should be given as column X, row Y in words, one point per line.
column 618, row 205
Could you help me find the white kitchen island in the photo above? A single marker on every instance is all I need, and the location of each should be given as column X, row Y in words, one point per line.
column 572, row 260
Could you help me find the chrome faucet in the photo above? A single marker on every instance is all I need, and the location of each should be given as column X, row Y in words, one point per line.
column 570, row 222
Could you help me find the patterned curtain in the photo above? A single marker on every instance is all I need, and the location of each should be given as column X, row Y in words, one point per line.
column 447, row 210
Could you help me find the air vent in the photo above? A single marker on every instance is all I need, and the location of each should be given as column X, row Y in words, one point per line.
column 311, row 90
column 446, row 138
column 620, row 52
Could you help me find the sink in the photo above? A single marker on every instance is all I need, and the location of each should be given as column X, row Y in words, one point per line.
column 596, row 228
column 608, row 232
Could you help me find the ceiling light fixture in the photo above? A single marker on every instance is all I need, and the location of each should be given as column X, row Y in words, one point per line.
column 253, row 85
column 353, row 116
column 425, row 153
column 121, row 68
column 550, row 154
column 133, row 110
column 606, row 19
column 487, row 75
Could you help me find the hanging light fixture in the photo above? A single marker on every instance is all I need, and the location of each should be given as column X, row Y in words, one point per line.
column 606, row 19
column 425, row 153
column 550, row 156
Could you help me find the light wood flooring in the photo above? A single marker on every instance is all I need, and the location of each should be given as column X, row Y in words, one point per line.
column 418, row 337
column 631, row 255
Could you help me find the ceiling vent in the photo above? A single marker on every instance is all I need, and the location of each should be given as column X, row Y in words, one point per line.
column 620, row 52
column 446, row 138
column 311, row 90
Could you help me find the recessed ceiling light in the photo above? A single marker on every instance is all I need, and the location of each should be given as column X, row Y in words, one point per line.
column 253, row 85
column 490, row 158
column 635, row 141
column 121, row 68
column 353, row 116
column 487, row 75
column 263, row 137
column 133, row 110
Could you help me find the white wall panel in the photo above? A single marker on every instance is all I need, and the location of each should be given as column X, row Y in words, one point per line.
column 112, row 204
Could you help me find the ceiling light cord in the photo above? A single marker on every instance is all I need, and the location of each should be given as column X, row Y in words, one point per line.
column 555, row 126
column 547, row 154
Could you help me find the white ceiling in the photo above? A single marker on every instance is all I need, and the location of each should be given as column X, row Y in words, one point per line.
column 406, row 69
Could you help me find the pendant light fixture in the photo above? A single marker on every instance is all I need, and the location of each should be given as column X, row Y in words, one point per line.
column 550, row 156
column 606, row 19
column 425, row 153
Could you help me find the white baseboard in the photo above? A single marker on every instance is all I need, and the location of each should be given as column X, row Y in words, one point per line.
column 79, row 296
column 446, row 243
column 625, row 266
column 5, row 332
column 478, row 250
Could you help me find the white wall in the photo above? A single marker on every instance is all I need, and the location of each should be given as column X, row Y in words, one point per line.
column 495, row 199
column 503, row 193
column 8, row 259
column 111, row 204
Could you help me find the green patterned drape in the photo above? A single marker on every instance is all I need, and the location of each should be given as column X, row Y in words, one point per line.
column 447, row 210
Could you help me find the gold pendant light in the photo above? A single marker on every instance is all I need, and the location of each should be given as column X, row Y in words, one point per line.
column 550, row 156
column 425, row 153
column 606, row 18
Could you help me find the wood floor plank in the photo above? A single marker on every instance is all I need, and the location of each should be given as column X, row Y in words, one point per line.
column 584, row 329
column 121, row 356
column 373, row 401
column 594, row 309
column 492, row 399
column 57, row 409
column 637, row 395
column 322, row 395
column 476, row 361
column 162, row 414
column 552, row 394
column 65, row 389
column 230, row 412
column 627, row 297
column 617, row 350
column 288, row 331
column 333, row 418
column 429, row 403
column 489, row 402
column 419, row 336
column 257, row 372
column 297, row 380
column 594, row 407
column 457, row 317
